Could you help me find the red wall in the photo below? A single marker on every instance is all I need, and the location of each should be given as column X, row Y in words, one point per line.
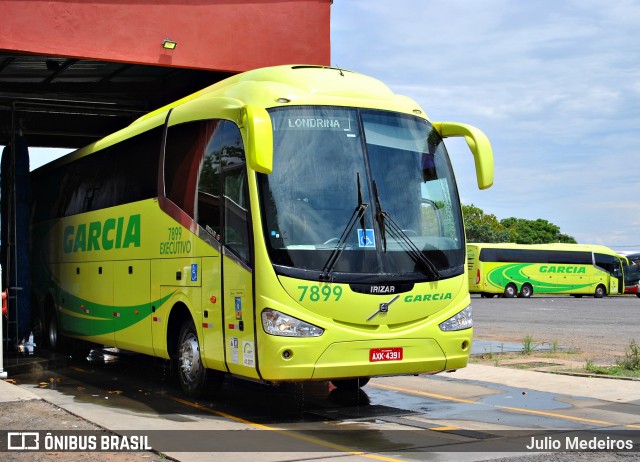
column 225, row 35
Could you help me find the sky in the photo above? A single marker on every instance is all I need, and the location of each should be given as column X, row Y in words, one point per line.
column 554, row 84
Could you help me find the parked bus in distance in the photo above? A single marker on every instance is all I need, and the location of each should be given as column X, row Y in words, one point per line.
column 293, row 223
column 631, row 272
column 514, row 269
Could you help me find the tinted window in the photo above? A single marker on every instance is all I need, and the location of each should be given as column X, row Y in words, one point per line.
column 607, row 262
column 535, row 256
column 204, row 162
column 334, row 168
column 123, row 173
column 183, row 154
column 227, row 146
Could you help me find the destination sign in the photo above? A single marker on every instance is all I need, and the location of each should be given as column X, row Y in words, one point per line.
column 317, row 123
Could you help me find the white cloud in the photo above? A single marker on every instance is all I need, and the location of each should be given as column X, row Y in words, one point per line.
column 555, row 85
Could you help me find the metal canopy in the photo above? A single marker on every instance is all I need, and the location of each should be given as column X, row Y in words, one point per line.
column 70, row 102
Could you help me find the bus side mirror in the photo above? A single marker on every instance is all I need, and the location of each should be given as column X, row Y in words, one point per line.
column 478, row 144
column 259, row 138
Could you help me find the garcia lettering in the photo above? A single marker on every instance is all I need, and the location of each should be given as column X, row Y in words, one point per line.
column 563, row 269
column 112, row 233
column 427, row 297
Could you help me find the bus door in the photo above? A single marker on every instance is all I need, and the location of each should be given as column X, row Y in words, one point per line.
column 239, row 316
column 239, row 319
column 223, row 213
column 616, row 283
column 610, row 266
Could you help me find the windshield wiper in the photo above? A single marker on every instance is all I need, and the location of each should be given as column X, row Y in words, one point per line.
column 357, row 214
column 380, row 214
column 385, row 221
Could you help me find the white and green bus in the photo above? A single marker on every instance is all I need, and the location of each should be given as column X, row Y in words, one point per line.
column 292, row 223
column 514, row 269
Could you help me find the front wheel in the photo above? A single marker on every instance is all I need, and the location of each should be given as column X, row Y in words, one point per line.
column 350, row 384
column 195, row 380
column 600, row 292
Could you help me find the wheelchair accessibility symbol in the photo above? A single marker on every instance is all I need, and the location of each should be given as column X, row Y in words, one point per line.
column 366, row 238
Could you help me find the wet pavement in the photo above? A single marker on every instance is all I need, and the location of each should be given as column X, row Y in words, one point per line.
column 128, row 392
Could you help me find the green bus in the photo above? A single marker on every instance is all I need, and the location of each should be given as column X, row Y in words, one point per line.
column 517, row 269
column 292, row 223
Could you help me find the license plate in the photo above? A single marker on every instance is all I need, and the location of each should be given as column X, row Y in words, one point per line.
column 385, row 354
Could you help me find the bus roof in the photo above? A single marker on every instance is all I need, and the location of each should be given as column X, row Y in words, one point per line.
column 554, row 246
column 631, row 255
column 301, row 84
column 267, row 87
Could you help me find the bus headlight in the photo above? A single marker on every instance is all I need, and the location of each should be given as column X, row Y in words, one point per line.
column 277, row 323
column 462, row 320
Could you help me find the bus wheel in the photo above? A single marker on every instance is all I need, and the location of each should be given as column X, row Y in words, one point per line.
column 526, row 291
column 195, row 379
column 350, row 384
column 510, row 290
column 52, row 338
column 600, row 292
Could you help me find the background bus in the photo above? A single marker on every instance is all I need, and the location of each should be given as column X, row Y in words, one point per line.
column 514, row 269
column 286, row 224
column 631, row 267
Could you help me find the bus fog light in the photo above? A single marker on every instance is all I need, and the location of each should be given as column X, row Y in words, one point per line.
column 286, row 354
column 462, row 320
column 277, row 323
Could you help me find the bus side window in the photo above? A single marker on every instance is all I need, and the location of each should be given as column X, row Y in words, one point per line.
column 183, row 155
column 209, row 208
column 123, row 173
column 225, row 157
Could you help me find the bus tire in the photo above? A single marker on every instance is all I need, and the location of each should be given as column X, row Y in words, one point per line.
column 600, row 292
column 51, row 330
column 510, row 290
column 526, row 291
column 196, row 381
column 350, row 384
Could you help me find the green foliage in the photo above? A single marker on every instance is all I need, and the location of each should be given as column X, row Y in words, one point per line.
column 481, row 227
column 538, row 231
column 631, row 360
column 527, row 344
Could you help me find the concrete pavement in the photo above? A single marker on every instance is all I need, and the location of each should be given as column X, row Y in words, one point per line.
column 467, row 379
column 10, row 392
column 605, row 389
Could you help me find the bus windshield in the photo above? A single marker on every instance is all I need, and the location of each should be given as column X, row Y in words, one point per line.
column 372, row 192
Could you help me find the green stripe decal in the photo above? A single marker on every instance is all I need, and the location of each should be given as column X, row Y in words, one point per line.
column 87, row 318
column 516, row 272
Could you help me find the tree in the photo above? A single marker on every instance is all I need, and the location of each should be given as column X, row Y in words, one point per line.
column 522, row 231
column 481, row 227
